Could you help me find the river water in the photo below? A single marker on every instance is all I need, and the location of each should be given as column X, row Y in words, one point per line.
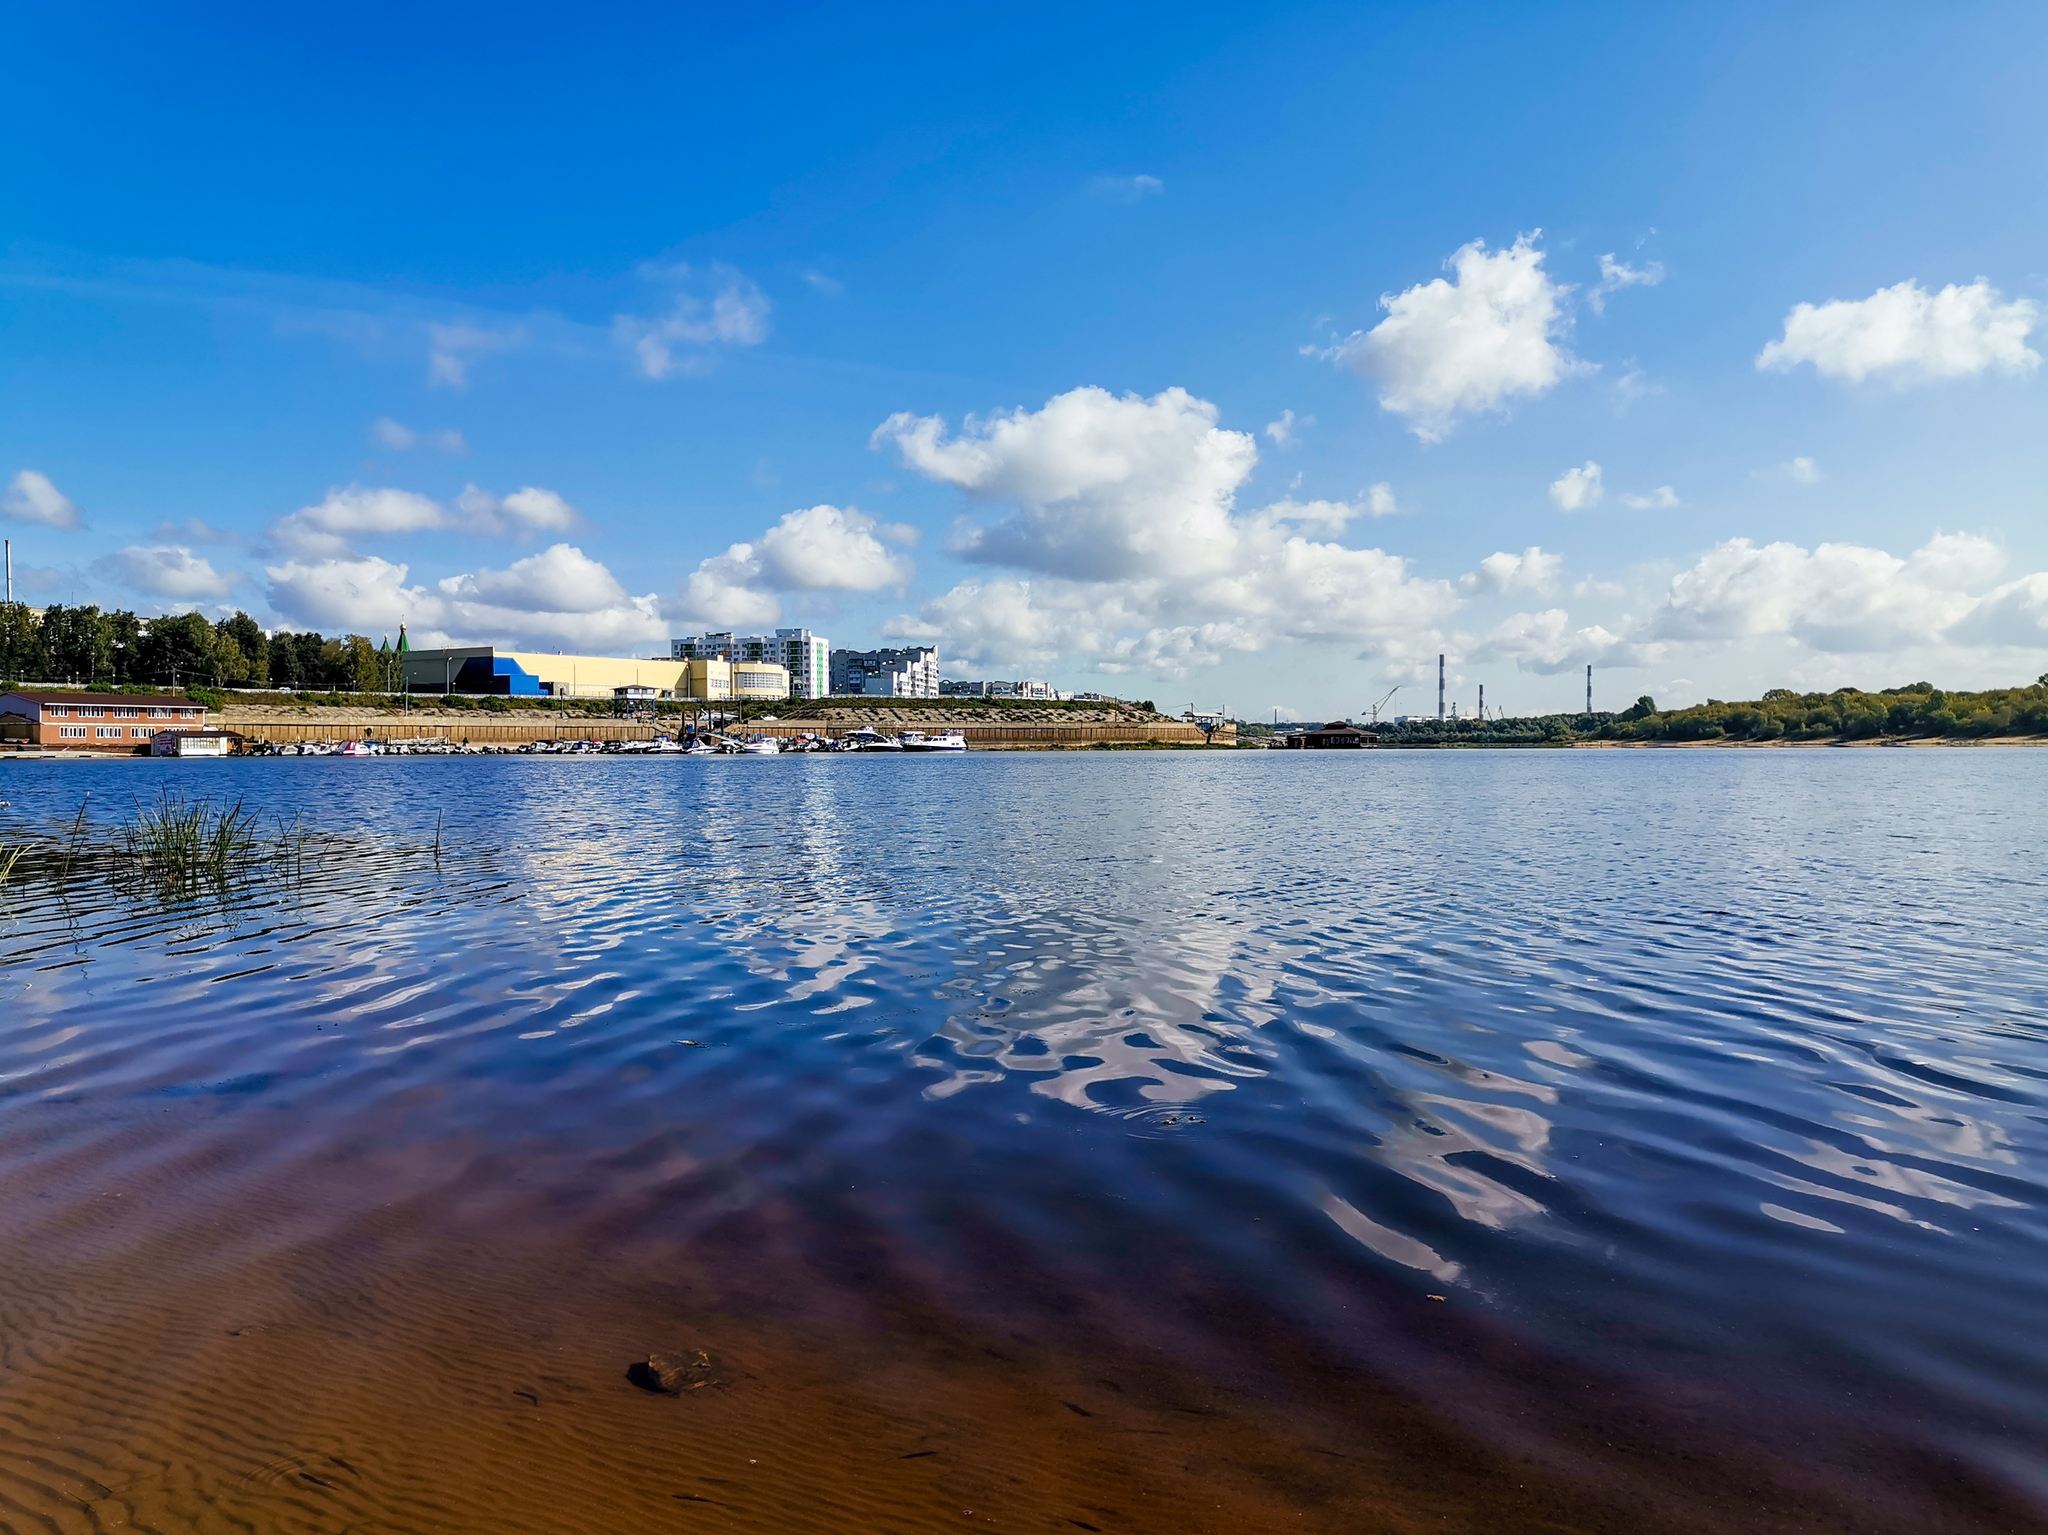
column 1495, row 1141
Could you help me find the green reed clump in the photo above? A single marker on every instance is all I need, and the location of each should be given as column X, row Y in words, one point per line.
column 179, row 839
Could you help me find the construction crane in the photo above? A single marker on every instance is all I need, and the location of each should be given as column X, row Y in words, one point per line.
column 1382, row 703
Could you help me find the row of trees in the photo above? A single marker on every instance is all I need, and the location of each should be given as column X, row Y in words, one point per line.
column 118, row 649
column 1917, row 709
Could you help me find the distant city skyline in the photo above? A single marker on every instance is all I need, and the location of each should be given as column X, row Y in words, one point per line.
column 1247, row 357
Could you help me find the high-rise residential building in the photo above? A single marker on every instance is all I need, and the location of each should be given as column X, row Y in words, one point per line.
column 804, row 655
column 1029, row 688
column 909, row 672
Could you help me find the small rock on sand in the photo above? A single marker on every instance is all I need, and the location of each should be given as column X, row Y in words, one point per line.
column 674, row 1374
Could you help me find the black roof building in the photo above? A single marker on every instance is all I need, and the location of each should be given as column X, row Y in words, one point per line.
column 1338, row 735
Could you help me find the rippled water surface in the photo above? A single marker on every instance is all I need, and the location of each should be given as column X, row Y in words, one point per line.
column 1593, row 1140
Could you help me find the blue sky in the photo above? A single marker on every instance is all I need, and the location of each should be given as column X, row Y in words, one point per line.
column 584, row 330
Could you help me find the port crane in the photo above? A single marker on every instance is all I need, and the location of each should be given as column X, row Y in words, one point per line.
column 1382, row 703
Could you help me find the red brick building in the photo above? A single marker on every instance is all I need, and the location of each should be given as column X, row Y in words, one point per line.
column 69, row 720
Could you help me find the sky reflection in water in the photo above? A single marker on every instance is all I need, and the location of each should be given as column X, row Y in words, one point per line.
column 1740, row 1053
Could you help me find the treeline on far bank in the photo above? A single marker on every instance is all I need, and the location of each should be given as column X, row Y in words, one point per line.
column 86, row 646
column 1917, row 710
column 1849, row 714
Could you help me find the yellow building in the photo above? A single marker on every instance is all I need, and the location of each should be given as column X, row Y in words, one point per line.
column 710, row 679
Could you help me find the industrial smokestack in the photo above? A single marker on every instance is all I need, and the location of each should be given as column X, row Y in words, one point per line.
column 1439, row 687
column 1482, row 700
column 1589, row 687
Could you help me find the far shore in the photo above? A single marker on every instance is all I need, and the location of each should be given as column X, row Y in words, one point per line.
column 1725, row 744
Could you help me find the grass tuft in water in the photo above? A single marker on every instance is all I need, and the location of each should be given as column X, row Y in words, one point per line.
column 179, row 840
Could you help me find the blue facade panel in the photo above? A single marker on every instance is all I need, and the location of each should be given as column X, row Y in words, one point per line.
column 500, row 675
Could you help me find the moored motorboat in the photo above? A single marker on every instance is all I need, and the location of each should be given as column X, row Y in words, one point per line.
column 868, row 739
column 945, row 741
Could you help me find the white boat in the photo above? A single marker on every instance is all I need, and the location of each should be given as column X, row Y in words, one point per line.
column 762, row 746
column 359, row 749
column 869, row 739
column 947, row 741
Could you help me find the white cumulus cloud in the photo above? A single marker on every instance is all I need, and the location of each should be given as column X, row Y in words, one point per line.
column 1546, row 643
column 326, row 529
column 558, row 598
column 817, row 548
column 1577, row 489
column 1663, row 498
column 1122, row 521
column 1379, row 500
column 1834, row 600
column 2014, row 614
column 1530, row 571
column 1838, row 598
column 1906, row 333
column 529, row 509
column 1451, row 348
column 681, row 341
column 168, row 571
column 32, row 498
column 1104, row 486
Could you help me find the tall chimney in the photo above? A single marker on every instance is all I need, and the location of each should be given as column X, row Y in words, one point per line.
column 1439, row 687
column 10, row 570
column 1482, row 700
column 1589, row 687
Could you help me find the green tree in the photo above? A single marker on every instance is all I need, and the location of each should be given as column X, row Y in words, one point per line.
column 230, row 665
column 248, row 638
column 1641, row 709
column 361, row 673
column 177, row 651
column 79, row 644
column 23, row 657
column 124, row 647
column 302, row 660
column 286, row 670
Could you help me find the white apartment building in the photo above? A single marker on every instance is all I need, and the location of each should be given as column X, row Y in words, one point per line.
column 909, row 672
column 804, row 655
column 1029, row 688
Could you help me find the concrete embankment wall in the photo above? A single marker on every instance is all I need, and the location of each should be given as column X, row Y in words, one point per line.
column 485, row 731
column 999, row 737
column 488, row 730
